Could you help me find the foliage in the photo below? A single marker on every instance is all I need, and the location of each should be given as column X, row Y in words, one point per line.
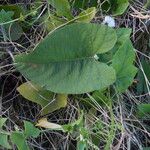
column 58, row 67
column 86, row 15
column 8, row 27
column 118, row 7
column 92, row 60
column 62, row 7
column 143, row 76
column 48, row 101
column 143, row 110
column 17, row 137
column 84, row 4
column 4, row 135
column 123, row 64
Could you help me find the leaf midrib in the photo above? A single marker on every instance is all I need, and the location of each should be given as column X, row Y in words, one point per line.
column 59, row 61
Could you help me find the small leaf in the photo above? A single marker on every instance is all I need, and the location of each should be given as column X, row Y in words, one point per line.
column 15, row 31
column 81, row 145
column 142, row 86
column 4, row 141
column 118, row 7
column 77, row 124
column 5, row 16
column 2, row 122
column 86, row 15
column 62, row 7
column 10, row 30
column 13, row 8
column 63, row 63
column 18, row 138
column 42, row 97
column 52, row 22
column 30, row 130
column 143, row 110
column 123, row 64
column 45, row 124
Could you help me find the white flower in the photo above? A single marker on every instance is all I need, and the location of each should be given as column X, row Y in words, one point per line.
column 110, row 21
column 96, row 57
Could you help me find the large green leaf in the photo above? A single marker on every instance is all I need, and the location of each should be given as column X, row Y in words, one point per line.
column 64, row 61
column 62, row 7
column 123, row 64
column 42, row 97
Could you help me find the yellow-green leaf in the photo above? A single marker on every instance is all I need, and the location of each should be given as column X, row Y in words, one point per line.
column 86, row 15
column 45, row 124
column 44, row 98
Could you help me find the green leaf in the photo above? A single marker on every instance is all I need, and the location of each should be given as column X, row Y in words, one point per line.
column 19, row 140
column 2, row 122
column 123, row 64
column 3, row 136
column 13, row 8
column 81, row 3
column 77, row 124
column 123, row 34
column 147, row 4
column 142, row 86
column 86, row 15
column 30, row 130
column 63, row 63
column 42, row 97
column 19, row 137
column 118, row 7
column 143, row 110
column 81, row 145
column 4, row 141
column 5, row 16
column 15, row 31
column 52, row 22
column 62, row 7
column 10, row 30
